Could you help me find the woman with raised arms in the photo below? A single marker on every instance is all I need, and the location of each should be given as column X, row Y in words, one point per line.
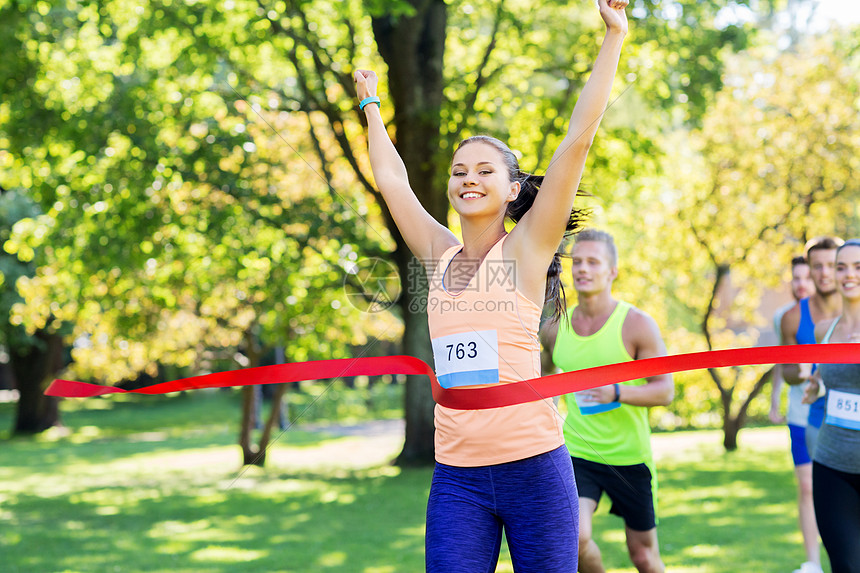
column 501, row 469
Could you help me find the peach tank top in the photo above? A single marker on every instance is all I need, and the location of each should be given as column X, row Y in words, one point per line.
column 487, row 334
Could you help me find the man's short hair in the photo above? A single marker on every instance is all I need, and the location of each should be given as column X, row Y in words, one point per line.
column 798, row 260
column 599, row 237
column 823, row 243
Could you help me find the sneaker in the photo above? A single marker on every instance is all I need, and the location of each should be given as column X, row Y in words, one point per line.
column 809, row 567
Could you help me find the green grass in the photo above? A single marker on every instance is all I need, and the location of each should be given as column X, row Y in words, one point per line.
column 154, row 484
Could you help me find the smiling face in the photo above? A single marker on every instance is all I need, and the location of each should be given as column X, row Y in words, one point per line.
column 821, row 265
column 480, row 180
column 848, row 272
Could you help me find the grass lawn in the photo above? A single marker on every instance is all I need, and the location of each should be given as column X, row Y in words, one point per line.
column 154, row 484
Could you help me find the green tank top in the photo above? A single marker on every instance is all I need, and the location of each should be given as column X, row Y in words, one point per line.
column 621, row 436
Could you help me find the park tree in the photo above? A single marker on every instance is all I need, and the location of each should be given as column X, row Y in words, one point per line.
column 177, row 227
column 770, row 167
column 34, row 357
column 130, row 124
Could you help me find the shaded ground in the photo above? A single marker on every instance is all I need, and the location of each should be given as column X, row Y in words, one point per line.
column 378, row 442
column 364, row 445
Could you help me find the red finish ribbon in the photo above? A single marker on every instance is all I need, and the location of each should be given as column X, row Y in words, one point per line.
column 490, row 396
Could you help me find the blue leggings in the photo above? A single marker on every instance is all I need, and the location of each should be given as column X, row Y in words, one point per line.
column 534, row 500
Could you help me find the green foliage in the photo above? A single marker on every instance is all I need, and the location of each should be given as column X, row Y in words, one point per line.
column 388, row 8
column 542, row 54
column 680, row 54
column 179, row 216
column 770, row 167
column 15, row 208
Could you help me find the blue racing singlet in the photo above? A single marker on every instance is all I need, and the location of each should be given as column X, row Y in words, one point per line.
column 806, row 328
column 806, row 335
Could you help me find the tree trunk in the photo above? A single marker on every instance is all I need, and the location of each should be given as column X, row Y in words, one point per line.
column 418, row 404
column 731, row 427
column 251, row 455
column 731, row 424
column 34, row 367
column 413, row 49
column 274, row 416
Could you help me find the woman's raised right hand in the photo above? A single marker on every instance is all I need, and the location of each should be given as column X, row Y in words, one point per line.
column 365, row 83
column 613, row 14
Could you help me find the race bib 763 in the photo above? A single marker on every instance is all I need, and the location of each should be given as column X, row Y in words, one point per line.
column 467, row 358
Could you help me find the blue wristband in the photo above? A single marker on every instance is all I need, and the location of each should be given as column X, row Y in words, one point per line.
column 367, row 100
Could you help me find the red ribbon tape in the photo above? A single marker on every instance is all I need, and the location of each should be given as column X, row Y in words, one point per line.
column 490, row 396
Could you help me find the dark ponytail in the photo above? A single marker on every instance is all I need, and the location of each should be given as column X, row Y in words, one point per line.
column 529, row 187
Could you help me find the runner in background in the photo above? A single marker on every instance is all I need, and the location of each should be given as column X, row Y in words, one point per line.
column 607, row 431
column 797, row 415
column 798, row 324
column 798, row 327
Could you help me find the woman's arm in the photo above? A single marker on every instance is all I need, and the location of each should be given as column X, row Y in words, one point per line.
column 792, row 374
column 542, row 227
column 815, row 389
column 548, row 333
column 425, row 237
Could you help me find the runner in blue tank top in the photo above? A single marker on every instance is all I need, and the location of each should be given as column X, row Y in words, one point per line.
column 806, row 335
column 798, row 324
column 796, row 419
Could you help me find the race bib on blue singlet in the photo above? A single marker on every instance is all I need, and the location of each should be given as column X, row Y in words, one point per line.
column 467, row 358
column 843, row 410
